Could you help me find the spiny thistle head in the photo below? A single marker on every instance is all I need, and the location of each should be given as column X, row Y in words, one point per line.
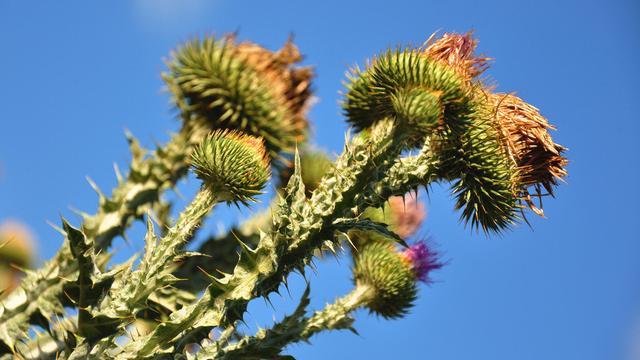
column 234, row 165
column 525, row 136
column 314, row 164
column 392, row 276
column 224, row 85
column 506, row 152
column 291, row 84
column 484, row 178
column 418, row 91
column 458, row 52
column 486, row 158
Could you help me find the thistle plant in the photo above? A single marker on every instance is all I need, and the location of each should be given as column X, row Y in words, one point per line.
column 420, row 115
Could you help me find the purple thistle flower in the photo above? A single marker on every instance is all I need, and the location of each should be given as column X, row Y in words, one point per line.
column 422, row 260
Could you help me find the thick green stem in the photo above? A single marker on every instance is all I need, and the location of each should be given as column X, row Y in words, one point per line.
column 130, row 293
column 333, row 315
column 220, row 253
column 261, row 271
column 293, row 329
column 131, row 290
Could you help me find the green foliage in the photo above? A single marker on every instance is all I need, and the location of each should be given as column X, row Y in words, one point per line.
column 243, row 106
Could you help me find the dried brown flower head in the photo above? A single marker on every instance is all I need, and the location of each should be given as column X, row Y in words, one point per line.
column 291, row 84
column 526, row 137
column 457, row 51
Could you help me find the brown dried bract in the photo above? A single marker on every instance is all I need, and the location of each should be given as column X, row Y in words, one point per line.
column 457, row 51
column 291, row 84
column 525, row 133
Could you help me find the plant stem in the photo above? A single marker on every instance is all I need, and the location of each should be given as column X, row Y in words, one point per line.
column 293, row 329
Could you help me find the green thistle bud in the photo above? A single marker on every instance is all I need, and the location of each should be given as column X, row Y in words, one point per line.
column 483, row 176
column 419, row 91
column 233, row 165
column 223, row 85
column 16, row 244
column 390, row 279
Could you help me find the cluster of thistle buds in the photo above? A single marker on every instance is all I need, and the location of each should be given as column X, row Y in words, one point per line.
column 419, row 115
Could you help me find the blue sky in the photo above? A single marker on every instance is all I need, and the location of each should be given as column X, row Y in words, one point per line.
column 75, row 74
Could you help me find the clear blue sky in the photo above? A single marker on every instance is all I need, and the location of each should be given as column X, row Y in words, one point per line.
column 74, row 74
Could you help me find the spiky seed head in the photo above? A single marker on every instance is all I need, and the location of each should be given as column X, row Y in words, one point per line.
column 408, row 86
column 391, row 277
column 223, row 85
column 314, row 165
column 233, row 165
column 458, row 52
column 525, row 135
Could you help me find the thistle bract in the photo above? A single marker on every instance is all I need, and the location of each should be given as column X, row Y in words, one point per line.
column 525, row 136
column 223, row 85
column 420, row 92
column 392, row 279
column 232, row 164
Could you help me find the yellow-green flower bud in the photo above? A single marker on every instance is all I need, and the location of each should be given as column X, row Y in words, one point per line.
column 391, row 280
column 233, row 165
column 387, row 278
